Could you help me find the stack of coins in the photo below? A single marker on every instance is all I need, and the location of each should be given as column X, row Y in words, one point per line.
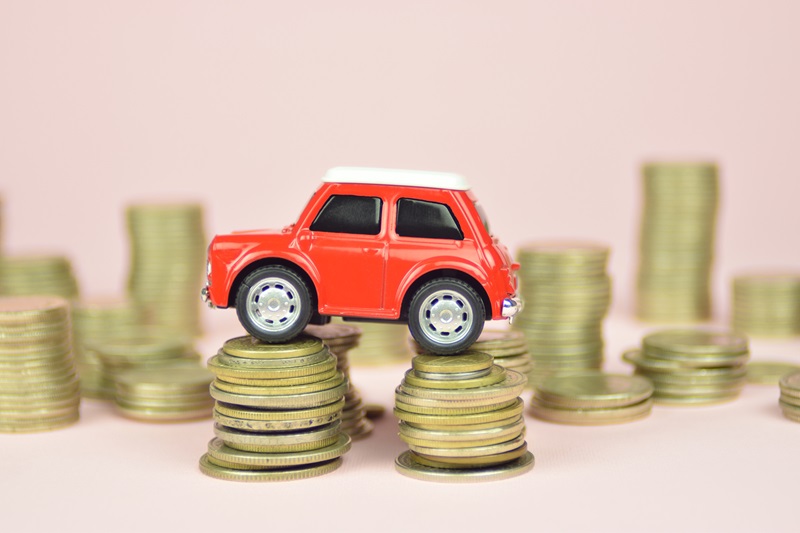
column 767, row 305
column 38, row 275
column 676, row 243
column 509, row 349
column 93, row 321
column 278, row 411
column 175, row 392
column 692, row 367
column 567, row 294
column 461, row 417
column 340, row 339
column 39, row 389
column 769, row 372
column 381, row 343
column 167, row 264
column 136, row 349
column 790, row 396
column 592, row 398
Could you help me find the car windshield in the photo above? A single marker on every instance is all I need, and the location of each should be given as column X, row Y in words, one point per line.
column 482, row 214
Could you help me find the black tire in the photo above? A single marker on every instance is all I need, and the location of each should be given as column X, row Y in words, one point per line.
column 289, row 295
column 458, row 322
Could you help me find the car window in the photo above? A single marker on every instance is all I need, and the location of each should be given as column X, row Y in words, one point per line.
column 430, row 220
column 349, row 214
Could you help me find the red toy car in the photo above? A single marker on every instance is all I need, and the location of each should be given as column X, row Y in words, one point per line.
column 372, row 244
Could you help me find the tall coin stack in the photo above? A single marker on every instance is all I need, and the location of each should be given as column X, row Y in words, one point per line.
column 38, row 275
column 676, row 242
column 567, row 294
column 767, row 305
column 278, row 411
column 692, row 367
column 93, row 321
column 39, row 389
column 790, row 396
column 340, row 339
column 592, row 398
column 381, row 343
column 509, row 349
column 167, row 263
column 461, row 417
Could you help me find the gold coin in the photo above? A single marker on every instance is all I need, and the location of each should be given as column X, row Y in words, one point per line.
column 171, row 379
column 700, row 399
column 285, row 448
column 288, row 401
column 455, row 445
column 514, row 383
column 476, row 405
column 406, row 465
column 590, row 417
column 470, row 427
column 219, row 450
column 234, row 436
column 470, row 462
column 31, row 426
column 229, row 361
column 276, row 425
column 326, row 365
column 513, row 427
column 281, row 382
column 330, row 383
column 594, row 389
column 790, row 384
column 502, row 413
column 496, row 375
column 251, row 348
column 255, row 414
column 287, row 474
column 448, row 377
column 164, row 415
column 443, row 364
column 447, row 409
column 466, row 453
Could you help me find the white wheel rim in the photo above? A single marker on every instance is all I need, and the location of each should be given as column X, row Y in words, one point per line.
column 273, row 305
column 446, row 317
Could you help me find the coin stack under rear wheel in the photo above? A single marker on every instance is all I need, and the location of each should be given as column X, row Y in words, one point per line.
column 461, row 417
column 278, row 411
column 340, row 339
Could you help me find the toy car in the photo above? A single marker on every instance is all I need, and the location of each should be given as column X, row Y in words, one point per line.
column 372, row 244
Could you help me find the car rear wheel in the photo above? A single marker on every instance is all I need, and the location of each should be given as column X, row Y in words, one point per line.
column 273, row 304
column 446, row 316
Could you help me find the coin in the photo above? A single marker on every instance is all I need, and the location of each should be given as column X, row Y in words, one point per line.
column 448, row 408
column 328, row 364
column 286, row 474
column 252, row 348
column 502, row 413
column 276, row 425
column 459, row 364
column 601, row 416
column 255, row 414
column 287, row 401
column 470, row 462
column 317, row 386
column 497, row 375
column 512, row 385
column 512, row 428
column 219, row 450
column 281, row 382
column 229, row 361
column 234, row 437
column 594, row 389
column 406, row 465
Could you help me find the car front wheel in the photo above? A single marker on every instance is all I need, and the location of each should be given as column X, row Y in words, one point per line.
column 273, row 304
column 446, row 316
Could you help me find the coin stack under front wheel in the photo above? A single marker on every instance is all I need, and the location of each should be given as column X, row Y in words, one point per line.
column 461, row 417
column 278, row 410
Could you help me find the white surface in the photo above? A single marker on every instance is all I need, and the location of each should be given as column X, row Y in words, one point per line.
column 391, row 176
column 731, row 467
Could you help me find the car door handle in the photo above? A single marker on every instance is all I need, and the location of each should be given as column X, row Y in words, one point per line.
column 371, row 250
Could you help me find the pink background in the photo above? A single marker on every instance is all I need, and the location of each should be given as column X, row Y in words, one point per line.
column 548, row 108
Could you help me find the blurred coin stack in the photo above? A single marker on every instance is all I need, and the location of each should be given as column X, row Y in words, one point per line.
column 567, row 294
column 676, row 241
column 461, row 417
column 767, row 305
column 692, row 367
column 174, row 392
column 93, row 321
column 381, row 343
column 278, row 411
column 769, row 372
column 168, row 255
column 39, row 389
column 340, row 339
column 592, row 398
column 137, row 349
column 509, row 349
column 790, row 396
column 37, row 275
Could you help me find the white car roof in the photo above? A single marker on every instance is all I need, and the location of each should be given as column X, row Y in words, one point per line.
column 392, row 176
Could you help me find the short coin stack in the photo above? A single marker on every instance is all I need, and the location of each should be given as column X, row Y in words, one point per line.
column 769, row 372
column 767, row 305
column 39, row 389
column 692, row 367
column 175, row 392
column 592, row 398
column 93, row 321
column 168, row 255
column 461, row 417
column 508, row 348
column 676, row 242
column 37, row 275
column 340, row 339
column 790, row 396
column 380, row 344
column 567, row 294
column 278, row 411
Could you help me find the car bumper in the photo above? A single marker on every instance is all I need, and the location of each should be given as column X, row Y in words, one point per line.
column 206, row 297
column 511, row 306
